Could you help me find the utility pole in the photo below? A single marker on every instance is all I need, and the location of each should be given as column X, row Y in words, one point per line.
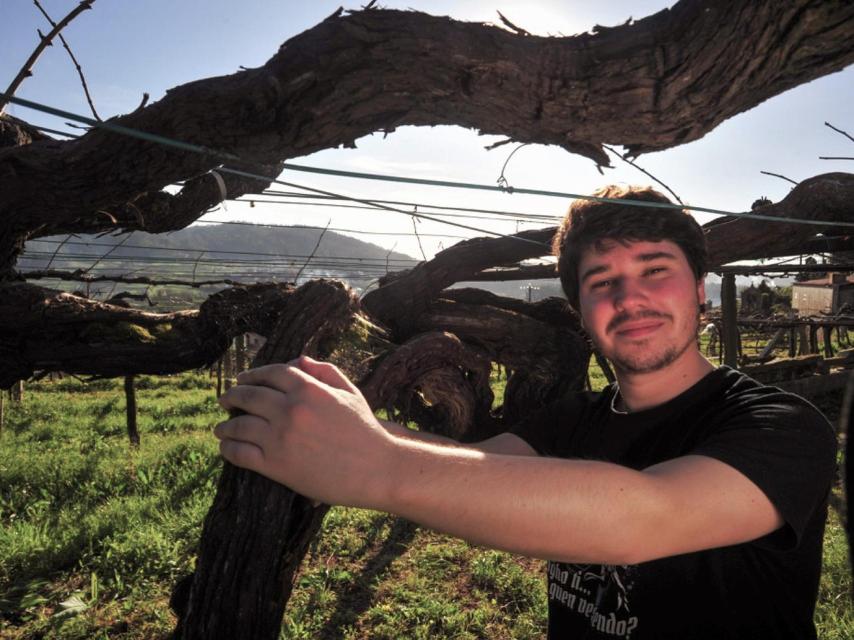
column 530, row 291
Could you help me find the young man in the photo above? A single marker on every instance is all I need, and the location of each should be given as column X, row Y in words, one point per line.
column 683, row 502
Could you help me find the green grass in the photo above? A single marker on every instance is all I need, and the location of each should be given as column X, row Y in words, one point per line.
column 84, row 514
column 94, row 533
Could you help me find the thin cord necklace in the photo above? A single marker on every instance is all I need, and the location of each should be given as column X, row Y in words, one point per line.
column 616, row 395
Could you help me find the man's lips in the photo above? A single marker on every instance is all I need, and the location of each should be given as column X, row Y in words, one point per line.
column 637, row 324
column 638, row 329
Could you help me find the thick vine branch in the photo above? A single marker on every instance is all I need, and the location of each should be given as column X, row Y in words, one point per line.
column 80, row 276
column 520, row 272
column 828, row 197
column 44, row 330
column 160, row 211
column 402, row 298
column 17, row 133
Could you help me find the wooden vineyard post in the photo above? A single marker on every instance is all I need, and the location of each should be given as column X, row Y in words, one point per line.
column 768, row 351
column 16, row 393
column 827, row 334
column 240, row 353
column 803, row 340
column 846, row 421
column 729, row 317
column 219, row 378
column 228, row 367
column 130, row 405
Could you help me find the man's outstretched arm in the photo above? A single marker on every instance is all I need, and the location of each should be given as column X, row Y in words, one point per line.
column 309, row 428
column 504, row 443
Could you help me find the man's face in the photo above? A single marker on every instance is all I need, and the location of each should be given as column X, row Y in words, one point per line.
column 639, row 303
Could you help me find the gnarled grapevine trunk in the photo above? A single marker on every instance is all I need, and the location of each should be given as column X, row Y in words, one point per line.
column 257, row 531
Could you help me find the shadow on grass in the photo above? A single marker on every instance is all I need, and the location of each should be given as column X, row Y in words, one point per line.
column 357, row 597
column 106, row 409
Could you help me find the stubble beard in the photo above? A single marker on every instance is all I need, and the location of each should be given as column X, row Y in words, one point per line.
column 636, row 361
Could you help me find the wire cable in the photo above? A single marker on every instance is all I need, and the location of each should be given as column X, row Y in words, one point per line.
column 230, row 157
column 553, row 220
column 420, row 205
column 376, row 205
column 339, row 230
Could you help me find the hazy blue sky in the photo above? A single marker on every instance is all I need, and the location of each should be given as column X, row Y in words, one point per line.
column 128, row 47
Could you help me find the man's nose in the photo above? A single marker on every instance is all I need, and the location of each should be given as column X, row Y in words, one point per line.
column 629, row 293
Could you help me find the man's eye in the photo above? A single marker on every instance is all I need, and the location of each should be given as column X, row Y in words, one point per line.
column 656, row 270
column 601, row 284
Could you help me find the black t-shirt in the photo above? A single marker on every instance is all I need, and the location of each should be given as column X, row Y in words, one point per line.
column 766, row 588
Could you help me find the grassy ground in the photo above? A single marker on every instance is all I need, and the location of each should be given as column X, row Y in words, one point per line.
column 94, row 533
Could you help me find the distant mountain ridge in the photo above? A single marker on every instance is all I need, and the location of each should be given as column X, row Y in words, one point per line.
column 199, row 248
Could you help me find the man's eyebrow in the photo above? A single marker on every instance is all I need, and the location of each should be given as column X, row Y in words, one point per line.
column 592, row 272
column 655, row 255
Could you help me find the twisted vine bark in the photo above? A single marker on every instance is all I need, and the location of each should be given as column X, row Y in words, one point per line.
column 257, row 531
column 42, row 330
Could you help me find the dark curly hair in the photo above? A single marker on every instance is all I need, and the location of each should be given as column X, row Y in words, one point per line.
column 590, row 223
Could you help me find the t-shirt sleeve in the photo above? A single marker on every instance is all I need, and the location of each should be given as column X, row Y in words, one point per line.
column 787, row 448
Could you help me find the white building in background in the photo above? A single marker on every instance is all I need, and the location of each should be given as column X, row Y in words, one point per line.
column 825, row 296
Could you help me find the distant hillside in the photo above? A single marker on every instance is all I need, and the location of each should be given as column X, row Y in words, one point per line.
column 210, row 252
column 234, row 251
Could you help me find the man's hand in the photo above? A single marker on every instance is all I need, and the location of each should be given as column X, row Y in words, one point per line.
column 308, row 427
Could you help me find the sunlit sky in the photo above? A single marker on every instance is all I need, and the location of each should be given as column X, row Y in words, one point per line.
column 130, row 47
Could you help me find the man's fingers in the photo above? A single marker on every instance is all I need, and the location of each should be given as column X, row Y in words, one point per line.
column 286, row 378
column 242, row 454
column 294, row 375
column 326, row 372
column 260, row 401
column 245, row 428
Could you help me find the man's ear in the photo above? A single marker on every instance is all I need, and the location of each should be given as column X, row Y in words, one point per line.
column 701, row 292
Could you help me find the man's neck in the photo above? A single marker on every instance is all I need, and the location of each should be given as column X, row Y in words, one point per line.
column 639, row 391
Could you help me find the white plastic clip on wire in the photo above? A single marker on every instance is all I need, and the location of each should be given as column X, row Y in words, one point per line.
column 223, row 192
